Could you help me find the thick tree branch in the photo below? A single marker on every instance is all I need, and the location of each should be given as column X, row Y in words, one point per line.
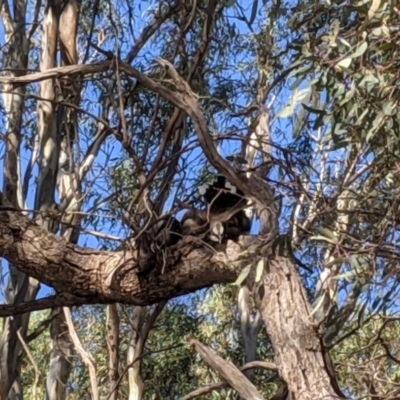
column 108, row 277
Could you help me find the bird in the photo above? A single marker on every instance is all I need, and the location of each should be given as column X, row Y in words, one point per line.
column 220, row 197
column 222, row 216
column 239, row 224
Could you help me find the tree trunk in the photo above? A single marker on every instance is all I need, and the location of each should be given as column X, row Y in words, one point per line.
column 250, row 324
column 60, row 359
column 20, row 287
column 113, row 323
column 49, row 143
column 134, row 355
column 286, row 313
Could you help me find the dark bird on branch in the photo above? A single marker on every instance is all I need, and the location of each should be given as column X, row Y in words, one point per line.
column 224, row 217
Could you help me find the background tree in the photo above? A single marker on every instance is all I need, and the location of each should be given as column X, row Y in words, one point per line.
column 130, row 109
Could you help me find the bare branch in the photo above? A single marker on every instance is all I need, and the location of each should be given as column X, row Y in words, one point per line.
column 221, row 385
column 41, row 327
column 86, row 358
column 32, row 360
column 149, row 31
column 57, row 72
column 7, row 310
column 227, row 371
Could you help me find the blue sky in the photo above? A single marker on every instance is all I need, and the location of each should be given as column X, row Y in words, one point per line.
column 141, row 18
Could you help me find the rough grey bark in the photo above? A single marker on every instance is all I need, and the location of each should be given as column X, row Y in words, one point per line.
column 297, row 345
column 94, row 276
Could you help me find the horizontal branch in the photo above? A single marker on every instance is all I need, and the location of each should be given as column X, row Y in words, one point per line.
column 58, row 72
column 91, row 276
column 8, row 310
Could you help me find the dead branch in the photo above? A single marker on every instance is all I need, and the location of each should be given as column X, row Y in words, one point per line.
column 85, row 356
column 227, row 371
column 222, row 385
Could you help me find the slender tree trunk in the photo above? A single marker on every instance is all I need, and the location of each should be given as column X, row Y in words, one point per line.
column 134, row 354
column 60, row 360
column 20, row 287
column 50, row 143
column 49, row 138
column 113, row 349
column 250, row 324
column 141, row 326
column 66, row 126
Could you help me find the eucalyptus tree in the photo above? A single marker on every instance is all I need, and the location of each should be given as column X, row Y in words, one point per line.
column 296, row 105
